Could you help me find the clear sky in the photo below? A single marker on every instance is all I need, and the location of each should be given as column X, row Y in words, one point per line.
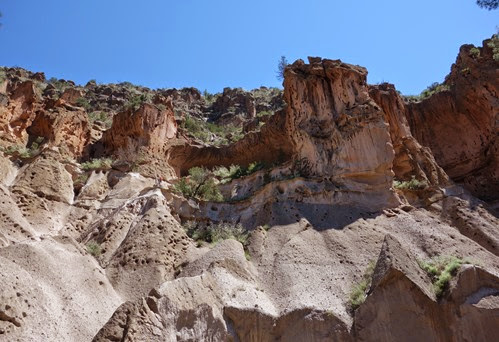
column 212, row 44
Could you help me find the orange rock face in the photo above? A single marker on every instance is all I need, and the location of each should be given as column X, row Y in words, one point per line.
column 19, row 113
column 26, row 117
column 331, row 126
column 62, row 126
column 411, row 159
column 148, row 126
column 460, row 125
column 334, row 126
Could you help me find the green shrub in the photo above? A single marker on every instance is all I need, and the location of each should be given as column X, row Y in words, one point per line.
column 475, row 52
column 358, row 292
column 412, row 98
column 60, row 85
column 226, row 230
column 200, row 185
column 209, row 98
column 3, row 75
column 210, row 192
column 211, row 133
column 413, row 184
column 94, row 249
column 192, row 125
column 22, row 151
column 136, row 101
column 264, row 113
column 433, row 89
column 102, row 163
column 83, row 102
column 236, row 171
column 441, row 270
column 466, row 71
column 217, row 232
column 494, row 45
column 102, row 117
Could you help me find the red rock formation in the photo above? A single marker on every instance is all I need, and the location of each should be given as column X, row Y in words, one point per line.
column 63, row 126
column 19, row 112
column 401, row 303
column 235, row 100
column 70, row 95
column 460, row 125
column 312, row 234
column 330, row 127
column 411, row 159
column 148, row 126
column 270, row 146
column 334, row 126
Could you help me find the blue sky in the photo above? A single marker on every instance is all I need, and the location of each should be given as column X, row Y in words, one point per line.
column 211, row 44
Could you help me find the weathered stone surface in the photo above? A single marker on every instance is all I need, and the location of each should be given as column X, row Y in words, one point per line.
column 19, row 113
column 148, row 126
column 52, row 290
column 270, row 145
column 77, row 241
column 65, row 127
column 401, row 305
column 43, row 192
column 460, row 125
column 329, row 116
column 411, row 159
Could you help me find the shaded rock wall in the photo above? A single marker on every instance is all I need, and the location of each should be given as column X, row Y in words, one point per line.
column 460, row 125
column 411, row 159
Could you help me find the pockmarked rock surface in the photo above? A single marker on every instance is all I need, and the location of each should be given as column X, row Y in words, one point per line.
column 346, row 212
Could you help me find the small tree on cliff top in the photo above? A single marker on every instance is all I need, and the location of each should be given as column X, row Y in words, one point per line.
column 488, row 4
column 281, row 66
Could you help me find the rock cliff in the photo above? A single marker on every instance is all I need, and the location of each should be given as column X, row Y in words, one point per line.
column 460, row 125
column 342, row 212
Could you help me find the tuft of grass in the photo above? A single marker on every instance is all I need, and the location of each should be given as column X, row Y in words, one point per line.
column 94, row 249
column 358, row 293
column 413, row 184
column 94, row 164
column 441, row 269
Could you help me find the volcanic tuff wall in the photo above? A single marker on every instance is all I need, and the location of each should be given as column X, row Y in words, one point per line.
column 313, row 234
